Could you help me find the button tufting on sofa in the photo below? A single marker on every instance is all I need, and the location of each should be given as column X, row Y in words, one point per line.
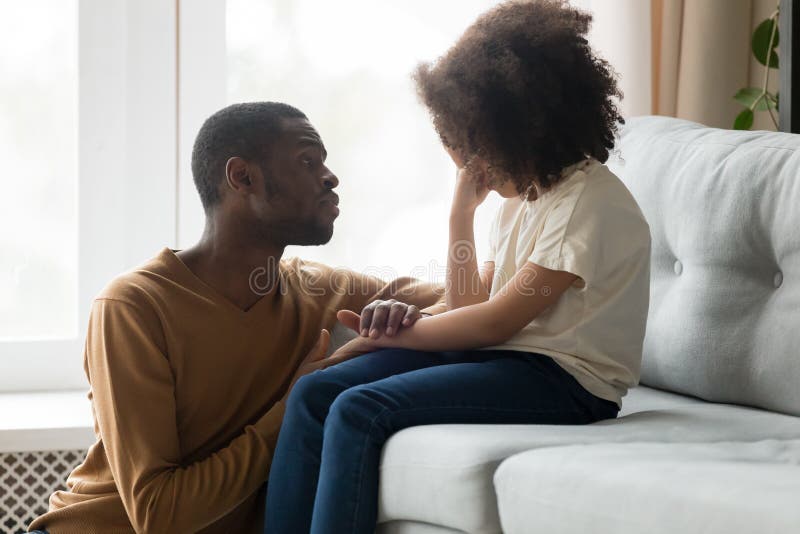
column 678, row 267
column 778, row 279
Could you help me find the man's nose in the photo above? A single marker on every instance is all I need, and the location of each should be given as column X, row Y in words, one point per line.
column 329, row 180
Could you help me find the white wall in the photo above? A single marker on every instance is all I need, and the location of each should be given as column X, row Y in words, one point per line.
column 202, row 83
column 621, row 35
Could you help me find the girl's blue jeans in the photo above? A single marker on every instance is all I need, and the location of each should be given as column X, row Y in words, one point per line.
column 324, row 475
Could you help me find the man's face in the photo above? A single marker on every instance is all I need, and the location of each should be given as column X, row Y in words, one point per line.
column 299, row 205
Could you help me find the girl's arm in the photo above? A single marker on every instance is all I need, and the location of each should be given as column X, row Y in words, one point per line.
column 530, row 292
column 465, row 285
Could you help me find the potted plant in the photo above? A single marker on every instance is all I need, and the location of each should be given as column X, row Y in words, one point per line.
column 763, row 44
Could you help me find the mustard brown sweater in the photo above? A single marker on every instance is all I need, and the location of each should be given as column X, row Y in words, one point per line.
column 185, row 390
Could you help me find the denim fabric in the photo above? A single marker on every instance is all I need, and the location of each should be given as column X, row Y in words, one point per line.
column 324, row 475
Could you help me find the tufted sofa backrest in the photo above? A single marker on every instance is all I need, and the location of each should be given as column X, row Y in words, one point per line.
column 724, row 213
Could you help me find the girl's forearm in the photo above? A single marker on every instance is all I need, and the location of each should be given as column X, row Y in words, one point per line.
column 531, row 291
column 466, row 328
column 464, row 286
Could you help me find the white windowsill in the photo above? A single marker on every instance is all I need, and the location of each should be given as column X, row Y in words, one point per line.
column 45, row 421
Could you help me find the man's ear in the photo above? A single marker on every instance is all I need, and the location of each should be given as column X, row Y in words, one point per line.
column 237, row 175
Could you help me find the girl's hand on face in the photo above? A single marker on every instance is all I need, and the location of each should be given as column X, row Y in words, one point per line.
column 470, row 191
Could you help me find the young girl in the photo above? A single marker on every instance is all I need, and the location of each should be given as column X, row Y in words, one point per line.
column 550, row 331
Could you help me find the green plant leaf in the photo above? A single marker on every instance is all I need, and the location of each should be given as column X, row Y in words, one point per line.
column 744, row 120
column 760, row 43
column 772, row 100
column 748, row 95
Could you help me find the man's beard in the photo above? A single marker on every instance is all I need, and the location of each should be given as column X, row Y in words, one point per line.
column 313, row 234
column 305, row 233
column 302, row 233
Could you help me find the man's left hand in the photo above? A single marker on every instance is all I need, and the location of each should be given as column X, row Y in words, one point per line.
column 384, row 317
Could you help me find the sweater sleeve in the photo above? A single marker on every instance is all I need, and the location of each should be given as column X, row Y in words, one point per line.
column 134, row 402
column 430, row 298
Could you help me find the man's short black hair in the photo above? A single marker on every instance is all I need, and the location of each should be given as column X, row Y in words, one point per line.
column 245, row 130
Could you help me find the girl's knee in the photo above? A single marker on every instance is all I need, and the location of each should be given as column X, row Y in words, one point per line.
column 314, row 390
column 360, row 406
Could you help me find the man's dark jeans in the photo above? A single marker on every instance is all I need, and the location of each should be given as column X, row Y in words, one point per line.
column 324, row 475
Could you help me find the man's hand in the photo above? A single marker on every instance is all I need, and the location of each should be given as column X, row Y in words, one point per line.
column 356, row 346
column 315, row 359
column 353, row 348
column 383, row 317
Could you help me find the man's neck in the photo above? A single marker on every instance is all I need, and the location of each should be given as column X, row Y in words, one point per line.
column 240, row 269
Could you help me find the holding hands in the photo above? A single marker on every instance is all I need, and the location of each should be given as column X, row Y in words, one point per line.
column 384, row 317
column 377, row 319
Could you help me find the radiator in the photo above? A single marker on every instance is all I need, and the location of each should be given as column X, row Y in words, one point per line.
column 26, row 481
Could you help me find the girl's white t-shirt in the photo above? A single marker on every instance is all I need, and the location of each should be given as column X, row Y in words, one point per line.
column 589, row 225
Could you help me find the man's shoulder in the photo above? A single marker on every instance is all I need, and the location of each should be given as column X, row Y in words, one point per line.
column 139, row 285
column 309, row 274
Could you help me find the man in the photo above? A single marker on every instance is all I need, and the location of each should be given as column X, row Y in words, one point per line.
column 191, row 356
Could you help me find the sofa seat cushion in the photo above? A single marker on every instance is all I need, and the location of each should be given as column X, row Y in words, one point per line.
column 413, row 527
column 715, row 488
column 442, row 474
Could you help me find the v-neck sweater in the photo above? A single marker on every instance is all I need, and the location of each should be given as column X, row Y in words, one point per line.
column 186, row 393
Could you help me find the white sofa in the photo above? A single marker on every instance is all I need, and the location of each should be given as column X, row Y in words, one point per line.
column 710, row 441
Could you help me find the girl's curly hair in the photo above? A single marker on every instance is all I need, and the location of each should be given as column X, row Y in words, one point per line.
column 523, row 90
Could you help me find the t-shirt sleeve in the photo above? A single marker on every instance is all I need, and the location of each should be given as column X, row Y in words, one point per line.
column 571, row 239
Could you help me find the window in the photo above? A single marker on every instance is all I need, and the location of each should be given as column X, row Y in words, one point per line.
column 39, row 148
column 88, row 145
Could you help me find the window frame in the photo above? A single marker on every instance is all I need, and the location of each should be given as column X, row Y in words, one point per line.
column 127, row 203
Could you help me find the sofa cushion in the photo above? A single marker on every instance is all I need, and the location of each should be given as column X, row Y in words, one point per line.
column 442, row 474
column 725, row 273
column 413, row 527
column 719, row 488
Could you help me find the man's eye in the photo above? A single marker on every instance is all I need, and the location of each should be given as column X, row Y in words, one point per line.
column 308, row 162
